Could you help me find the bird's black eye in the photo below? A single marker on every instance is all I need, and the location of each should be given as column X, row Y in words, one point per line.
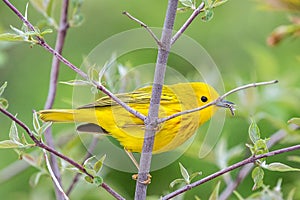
column 204, row 99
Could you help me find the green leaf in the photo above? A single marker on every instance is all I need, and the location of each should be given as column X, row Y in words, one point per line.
column 16, row 30
column 44, row 127
column 11, row 37
column 257, row 176
column 294, row 158
column 177, row 181
column 36, row 122
column 98, row 165
column 31, row 160
column 218, row 3
column 197, row 198
column 98, row 180
column 183, row 9
column 215, row 194
column 34, row 178
column 46, row 31
column 13, row 133
column 89, row 179
column 208, row 15
column 261, row 147
column 294, row 121
column 194, row 175
column 2, row 88
column 87, row 163
column 3, row 103
column 77, row 20
column 238, row 195
column 279, row 167
column 291, row 194
column 184, row 173
column 49, row 7
column 187, row 3
column 9, row 144
column 76, row 82
column 254, row 132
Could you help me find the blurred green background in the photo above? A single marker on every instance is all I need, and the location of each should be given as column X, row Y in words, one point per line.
column 236, row 40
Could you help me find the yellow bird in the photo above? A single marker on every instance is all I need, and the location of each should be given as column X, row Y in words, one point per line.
column 108, row 117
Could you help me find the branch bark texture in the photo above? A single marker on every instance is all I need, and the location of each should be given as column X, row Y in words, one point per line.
column 151, row 121
column 60, row 40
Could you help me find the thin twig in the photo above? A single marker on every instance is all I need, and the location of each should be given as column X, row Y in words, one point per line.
column 228, row 169
column 245, row 170
column 196, row 12
column 54, row 179
column 87, row 155
column 60, row 40
column 99, row 86
column 247, row 86
column 151, row 121
column 40, row 144
column 161, row 120
column 112, row 192
column 145, row 26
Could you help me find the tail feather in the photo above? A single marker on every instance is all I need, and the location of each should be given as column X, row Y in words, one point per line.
column 57, row 115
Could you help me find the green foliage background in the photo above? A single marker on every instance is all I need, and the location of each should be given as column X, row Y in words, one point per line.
column 235, row 39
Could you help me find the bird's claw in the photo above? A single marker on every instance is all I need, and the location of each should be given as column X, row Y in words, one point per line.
column 145, row 182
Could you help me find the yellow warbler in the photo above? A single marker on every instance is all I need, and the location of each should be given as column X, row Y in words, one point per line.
column 108, row 117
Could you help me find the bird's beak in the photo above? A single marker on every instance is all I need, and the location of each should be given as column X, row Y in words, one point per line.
column 226, row 104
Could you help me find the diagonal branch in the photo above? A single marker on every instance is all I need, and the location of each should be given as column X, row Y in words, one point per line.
column 145, row 26
column 196, row 12
column 99, row 86
column 251, row 159
column 40, row 144
column 244, row 171
column 87, row 155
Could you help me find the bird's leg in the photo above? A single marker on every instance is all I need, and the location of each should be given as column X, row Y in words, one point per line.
column 135, row 176
column 132, row 158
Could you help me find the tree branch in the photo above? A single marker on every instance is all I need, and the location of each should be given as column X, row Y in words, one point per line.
column 244, row 171
column 151, row 121
column 145, row 26
column 87, row 155
column 196, row 12
column 230, row 168
column 40, row 144
column 60, row 40
column 217, row 100
column 100, row 87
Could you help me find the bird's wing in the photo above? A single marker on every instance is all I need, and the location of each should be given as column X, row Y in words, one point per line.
column 139, row 96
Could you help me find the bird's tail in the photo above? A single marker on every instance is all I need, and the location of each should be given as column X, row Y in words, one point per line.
column 57, row 115
column 69, row 115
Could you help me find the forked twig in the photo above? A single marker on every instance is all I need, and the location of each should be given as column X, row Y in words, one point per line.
column 218, row 100
column 46, row 46
column 145, row 26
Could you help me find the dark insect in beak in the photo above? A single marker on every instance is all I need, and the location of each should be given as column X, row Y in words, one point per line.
column 226, row 104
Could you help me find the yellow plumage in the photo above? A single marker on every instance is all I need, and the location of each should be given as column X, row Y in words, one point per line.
column 129, row 130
